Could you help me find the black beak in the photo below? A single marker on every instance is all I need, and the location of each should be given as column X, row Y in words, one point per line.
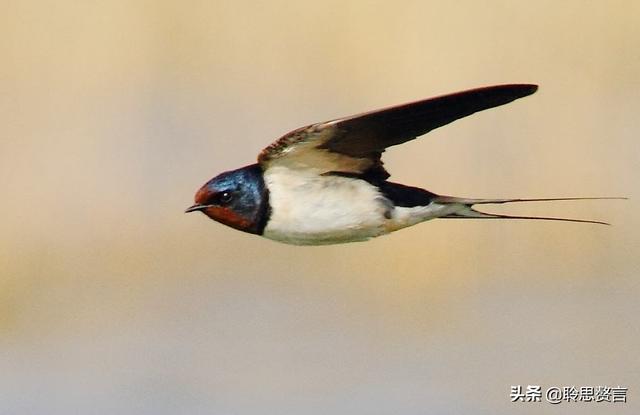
column 195, row 207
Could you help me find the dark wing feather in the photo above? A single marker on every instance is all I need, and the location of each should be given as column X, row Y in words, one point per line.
column 355, row 144
column 370, row 133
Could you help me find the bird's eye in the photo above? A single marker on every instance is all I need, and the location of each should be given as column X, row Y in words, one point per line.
column 226, row 197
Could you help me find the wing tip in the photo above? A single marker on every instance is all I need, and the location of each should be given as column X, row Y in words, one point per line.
column 529, row 89
column 519, row 90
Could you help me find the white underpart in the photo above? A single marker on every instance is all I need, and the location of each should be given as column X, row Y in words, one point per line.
column 309, row 209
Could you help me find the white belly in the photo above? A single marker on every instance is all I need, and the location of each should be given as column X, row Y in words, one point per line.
column 308, row 209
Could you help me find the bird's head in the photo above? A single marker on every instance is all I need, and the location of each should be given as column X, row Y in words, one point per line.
column 236, row 198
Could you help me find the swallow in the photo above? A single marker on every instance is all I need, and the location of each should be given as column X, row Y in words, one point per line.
column 325, row 183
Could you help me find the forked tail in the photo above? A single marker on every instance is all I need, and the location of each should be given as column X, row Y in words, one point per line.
column 468, row 212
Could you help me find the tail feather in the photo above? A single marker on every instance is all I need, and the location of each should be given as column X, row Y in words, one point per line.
column 467, row 201
column 467, row 212
column 470, row 213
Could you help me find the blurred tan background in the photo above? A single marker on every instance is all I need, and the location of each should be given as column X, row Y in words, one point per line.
column 112, row 301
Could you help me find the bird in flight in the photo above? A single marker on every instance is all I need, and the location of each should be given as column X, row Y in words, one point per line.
column 325, row 183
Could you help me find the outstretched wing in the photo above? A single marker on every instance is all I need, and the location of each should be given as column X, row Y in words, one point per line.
column 355, row 144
